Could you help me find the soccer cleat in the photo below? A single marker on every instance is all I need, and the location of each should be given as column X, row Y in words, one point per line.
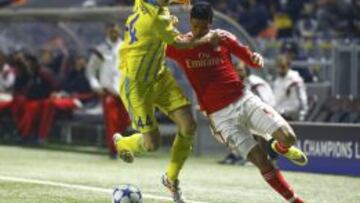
column 174, row 188
column 124, row 154
column 273, row 155
column 294, row 154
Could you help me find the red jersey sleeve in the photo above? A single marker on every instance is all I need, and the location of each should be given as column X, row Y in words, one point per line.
column 175, row 53
column 238, row 49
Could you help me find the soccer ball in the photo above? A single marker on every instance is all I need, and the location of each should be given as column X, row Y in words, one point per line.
column 127, row 194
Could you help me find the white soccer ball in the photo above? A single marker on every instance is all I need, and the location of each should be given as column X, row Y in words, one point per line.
column 127, row 194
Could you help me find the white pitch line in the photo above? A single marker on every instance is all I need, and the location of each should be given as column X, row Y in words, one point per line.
column 79, row 187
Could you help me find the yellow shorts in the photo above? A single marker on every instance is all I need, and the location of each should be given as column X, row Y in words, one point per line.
column 140, row 99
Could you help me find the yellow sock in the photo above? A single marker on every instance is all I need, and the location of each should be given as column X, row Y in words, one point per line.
column 133, row 143
column 180, row 150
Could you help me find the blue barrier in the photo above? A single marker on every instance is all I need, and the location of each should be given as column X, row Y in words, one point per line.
column 331, row 148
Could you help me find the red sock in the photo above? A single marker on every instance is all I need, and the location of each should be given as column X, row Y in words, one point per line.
column 281, row 148
column 298, row 200
column 275, row 179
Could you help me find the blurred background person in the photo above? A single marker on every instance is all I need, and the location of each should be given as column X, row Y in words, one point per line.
column 291, row 50
column 55, row 55
column 256, row 84
column 104, row 78
column 36, row 83
column 74, row 93
column 254, row 17
column 290, row 91
column 7, row 81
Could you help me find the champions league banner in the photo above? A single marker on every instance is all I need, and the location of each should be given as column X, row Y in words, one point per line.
column 332, row 149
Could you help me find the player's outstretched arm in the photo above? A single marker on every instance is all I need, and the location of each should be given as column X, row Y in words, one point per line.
column 182, row 42
column 241, row 51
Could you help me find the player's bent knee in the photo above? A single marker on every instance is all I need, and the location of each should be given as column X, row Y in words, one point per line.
column 187, row 127
column 285, row 136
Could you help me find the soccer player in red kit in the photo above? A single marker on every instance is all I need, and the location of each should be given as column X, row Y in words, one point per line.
column 233, row 111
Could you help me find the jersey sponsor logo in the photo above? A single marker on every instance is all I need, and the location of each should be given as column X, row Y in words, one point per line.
column 204, row 60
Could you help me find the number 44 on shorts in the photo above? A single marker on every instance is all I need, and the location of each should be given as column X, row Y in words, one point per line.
column 148, row 122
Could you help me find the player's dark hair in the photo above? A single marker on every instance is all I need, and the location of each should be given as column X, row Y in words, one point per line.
column 203, row 11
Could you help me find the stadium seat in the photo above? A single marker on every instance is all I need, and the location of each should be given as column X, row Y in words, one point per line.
column 89, row 117
column 340, row 111
column 312, row 104
column 354, row 115
column 324, row 113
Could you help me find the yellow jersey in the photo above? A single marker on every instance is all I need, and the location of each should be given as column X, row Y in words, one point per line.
column 148, row 29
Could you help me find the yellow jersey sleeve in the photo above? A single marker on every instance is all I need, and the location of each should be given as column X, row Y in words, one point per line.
column 148, row 29
column 164, row 27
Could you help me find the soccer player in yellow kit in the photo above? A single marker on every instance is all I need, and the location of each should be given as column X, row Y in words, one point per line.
column 146, row 83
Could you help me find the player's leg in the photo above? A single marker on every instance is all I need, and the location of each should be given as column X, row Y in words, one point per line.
column 237, row 136
column 18, row 109
column 136, row 144
column 30, row 117
column 47, row 118
column 264, row 119
column 284, row 142
column 172, row 102
column 265, row 144
column 180, row 150
column 138, row 100
column 272, row 175
column 182, row 144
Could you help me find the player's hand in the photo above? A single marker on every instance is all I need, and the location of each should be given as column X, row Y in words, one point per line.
column 174, row 20
column 257, row 59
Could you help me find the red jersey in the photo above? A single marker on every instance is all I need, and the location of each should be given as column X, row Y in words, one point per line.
column 211, row 71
